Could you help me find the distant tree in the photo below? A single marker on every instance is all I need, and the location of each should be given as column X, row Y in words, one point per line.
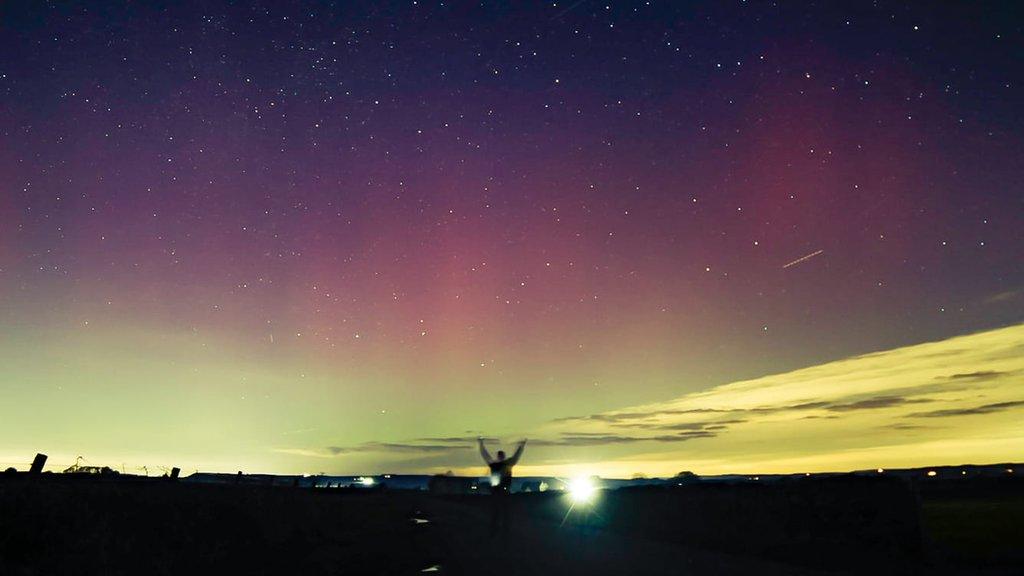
column 687, row 476
column 639, row 476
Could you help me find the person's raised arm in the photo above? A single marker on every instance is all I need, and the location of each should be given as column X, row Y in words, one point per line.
column 483, row 451
column 519, row 452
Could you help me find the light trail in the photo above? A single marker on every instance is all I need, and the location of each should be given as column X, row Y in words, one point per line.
column 803, row 258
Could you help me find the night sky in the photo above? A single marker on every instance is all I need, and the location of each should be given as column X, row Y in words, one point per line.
column 299, row 237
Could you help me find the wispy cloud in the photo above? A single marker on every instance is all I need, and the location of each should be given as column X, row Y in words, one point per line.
column 979, row 375
column 848, row 413
column 298, row 431
column 431, row 445
column 641, row 419
column 582, row 439
column 1005, row 296
column 466, row 440
column 390, row 447
column 972, row 411
column 876, row 403
column 905, row 426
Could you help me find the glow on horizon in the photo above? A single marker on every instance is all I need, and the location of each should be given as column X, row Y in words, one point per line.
column 948, row 402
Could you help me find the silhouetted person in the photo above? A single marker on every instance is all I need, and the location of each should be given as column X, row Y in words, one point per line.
column 501, row 484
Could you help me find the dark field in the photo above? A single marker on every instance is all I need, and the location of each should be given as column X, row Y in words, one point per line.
column 61, row 525
column 976, row 530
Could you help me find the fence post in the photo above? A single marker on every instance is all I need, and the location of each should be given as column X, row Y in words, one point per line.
column 38, row 463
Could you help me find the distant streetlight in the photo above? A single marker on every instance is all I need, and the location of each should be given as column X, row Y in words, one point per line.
column 582, row 490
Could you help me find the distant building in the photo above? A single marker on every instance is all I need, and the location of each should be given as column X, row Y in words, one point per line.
column 449, row 484
column 530, row 486
column 965, row 471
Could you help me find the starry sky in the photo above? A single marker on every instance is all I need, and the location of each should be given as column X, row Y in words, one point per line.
column 351, row 237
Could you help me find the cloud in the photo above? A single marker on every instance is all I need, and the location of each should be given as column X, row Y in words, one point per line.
column 875, row 403
column 979, row 375
column 690, row 426
column 456, row 439
column 801, row 406
column 643, row 419
column 1006, row 296
column 609, row 417
column 306, row 452
column 438, row 445
column 593, row 439
column 705, row 425
column 846, row 414
column 905, row 426
column 983, row 409
column 389, row 447
column 298, row 431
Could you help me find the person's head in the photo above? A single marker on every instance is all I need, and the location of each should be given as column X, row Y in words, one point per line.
column 501, row 454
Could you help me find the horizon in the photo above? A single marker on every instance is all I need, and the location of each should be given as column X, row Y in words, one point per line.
column 648, row 237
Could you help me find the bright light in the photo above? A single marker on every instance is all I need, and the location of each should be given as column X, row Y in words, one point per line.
column 366, row 481
column 581, row 489
column 932, row 473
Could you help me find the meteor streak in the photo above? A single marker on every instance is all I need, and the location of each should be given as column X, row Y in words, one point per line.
column 803, row 258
